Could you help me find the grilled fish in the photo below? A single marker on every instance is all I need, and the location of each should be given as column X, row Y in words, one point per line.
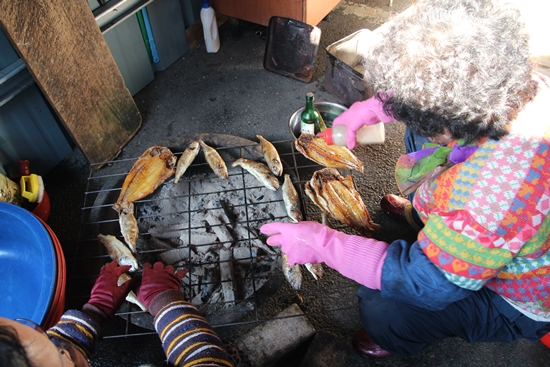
column 128, row 225
column 336, row 195
column 315, row 269
column 185, row 159
column 118, row 251
column 293, row 274
column 131, row 296
column 154, row 166
column 271, row 156
column 335, row 156
column 292, row 200
column 214, row 160
column 260, row 171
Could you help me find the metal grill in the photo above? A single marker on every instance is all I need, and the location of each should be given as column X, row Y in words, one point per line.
column 174, row 211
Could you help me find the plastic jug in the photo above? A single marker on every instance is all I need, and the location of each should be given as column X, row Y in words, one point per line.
column 210, row 27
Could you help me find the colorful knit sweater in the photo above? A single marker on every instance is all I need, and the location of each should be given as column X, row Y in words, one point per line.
column 486, row 219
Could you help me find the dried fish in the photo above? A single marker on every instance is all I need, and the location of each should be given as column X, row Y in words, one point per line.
column 291, row 200
column 334, row 156
column 315, row 269
column 131, row 297
column 154, row 166
column 336, row 195
column 271, row 156
column 128, row 225
column 118, row 251
column 293, row 274
column 260, row 171
column 185, row 159
column 214, row 160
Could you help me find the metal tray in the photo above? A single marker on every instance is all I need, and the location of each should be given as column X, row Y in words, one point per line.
column 291, row 48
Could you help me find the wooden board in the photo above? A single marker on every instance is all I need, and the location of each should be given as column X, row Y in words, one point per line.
column 260, row 11
column 66, row 53
column 316, row 10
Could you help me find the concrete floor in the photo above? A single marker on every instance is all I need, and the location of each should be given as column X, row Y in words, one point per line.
column 230, row 92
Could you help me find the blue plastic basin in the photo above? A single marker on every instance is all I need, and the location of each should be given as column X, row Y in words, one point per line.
column 28, row 263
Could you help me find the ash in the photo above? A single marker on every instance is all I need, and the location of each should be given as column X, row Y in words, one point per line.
column 210, row 226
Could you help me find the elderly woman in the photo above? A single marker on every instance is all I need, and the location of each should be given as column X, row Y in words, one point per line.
column 457, row 73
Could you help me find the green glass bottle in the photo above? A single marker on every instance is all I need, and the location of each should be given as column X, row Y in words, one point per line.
column 309, row 120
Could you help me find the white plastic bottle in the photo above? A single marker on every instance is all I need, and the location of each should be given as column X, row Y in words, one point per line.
column 210, row 27
column 368, row 134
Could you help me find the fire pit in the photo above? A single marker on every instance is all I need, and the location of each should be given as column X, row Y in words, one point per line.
column 207, row 225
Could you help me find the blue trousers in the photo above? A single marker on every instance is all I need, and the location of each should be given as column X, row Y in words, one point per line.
column 406, row 330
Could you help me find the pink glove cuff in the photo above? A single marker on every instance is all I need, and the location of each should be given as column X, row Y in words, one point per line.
column 362, row 260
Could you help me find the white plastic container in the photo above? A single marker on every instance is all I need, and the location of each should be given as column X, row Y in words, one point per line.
column 210, row 27
column 371, row 134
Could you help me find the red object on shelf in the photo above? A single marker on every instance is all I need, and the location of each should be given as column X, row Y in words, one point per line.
column 42, row 209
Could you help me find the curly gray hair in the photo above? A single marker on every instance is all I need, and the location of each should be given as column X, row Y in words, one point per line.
column 460, row 65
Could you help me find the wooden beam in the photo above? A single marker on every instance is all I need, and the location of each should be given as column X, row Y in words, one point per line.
column 64, row 50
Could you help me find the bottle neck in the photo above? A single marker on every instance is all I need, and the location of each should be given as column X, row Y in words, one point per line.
column 309, row 103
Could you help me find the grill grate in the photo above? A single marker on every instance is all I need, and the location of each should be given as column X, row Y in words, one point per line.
column 170, row 225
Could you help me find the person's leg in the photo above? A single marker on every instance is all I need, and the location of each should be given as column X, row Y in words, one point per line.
column 406, row 330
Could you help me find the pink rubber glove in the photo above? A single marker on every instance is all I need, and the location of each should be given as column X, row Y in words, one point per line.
column 355, row 257
column 367, row 112
column 106, row 294
column 157, row 279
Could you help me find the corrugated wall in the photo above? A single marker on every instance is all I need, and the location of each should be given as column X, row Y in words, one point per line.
column 28, row 127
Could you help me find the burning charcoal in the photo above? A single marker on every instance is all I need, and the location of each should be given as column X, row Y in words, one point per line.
column 176, row 255
column 171, row 231
column 210, row 258
column 199, row 238
column 246, row 233
column 226, row 274
column 219, row 228
column 207, row 286
column 244, row 254
column 197, row 300
column 216, row 296
column 215, row 226
column 159, row 244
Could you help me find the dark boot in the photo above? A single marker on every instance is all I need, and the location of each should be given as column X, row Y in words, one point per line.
column 364, row 345
column 400, row 208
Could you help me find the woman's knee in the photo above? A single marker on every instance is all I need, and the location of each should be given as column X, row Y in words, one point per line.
column 390, row 324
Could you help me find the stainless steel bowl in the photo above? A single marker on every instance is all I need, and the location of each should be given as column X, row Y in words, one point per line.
column 329, row 111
